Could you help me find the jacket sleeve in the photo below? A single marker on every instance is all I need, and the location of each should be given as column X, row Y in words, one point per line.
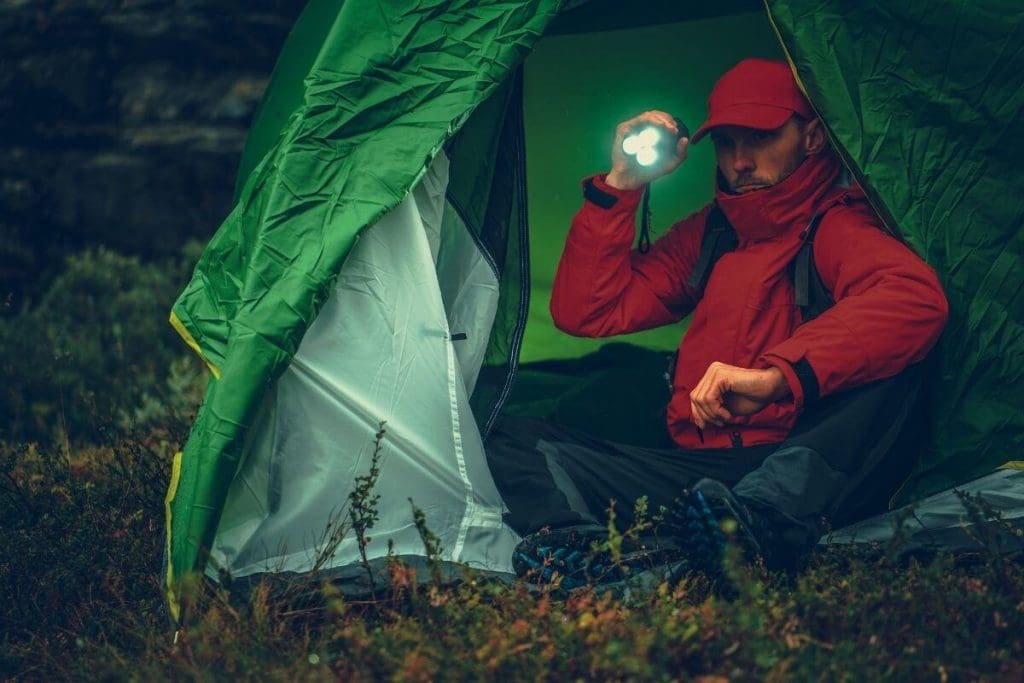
column 602, row 287
column 890, row 310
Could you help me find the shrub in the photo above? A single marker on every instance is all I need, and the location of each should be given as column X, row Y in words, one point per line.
column 95, row 353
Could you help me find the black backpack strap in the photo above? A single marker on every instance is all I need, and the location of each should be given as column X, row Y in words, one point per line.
column 811, row 295
column 719, row 239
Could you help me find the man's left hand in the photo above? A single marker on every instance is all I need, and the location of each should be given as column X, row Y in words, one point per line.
column 728, row 394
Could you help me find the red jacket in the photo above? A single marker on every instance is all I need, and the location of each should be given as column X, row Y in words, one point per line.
column 889, row 311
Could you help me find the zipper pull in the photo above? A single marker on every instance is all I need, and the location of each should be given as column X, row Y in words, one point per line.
column 737, row 440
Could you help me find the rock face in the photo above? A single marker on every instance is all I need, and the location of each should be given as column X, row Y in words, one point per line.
column 121, row 124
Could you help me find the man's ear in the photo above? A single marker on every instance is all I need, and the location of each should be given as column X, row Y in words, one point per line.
column 814, row 136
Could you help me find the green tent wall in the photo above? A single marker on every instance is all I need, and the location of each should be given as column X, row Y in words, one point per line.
column 926, row 100
column 923, row 100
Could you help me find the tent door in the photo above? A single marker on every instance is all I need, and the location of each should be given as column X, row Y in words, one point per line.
column 388, row 346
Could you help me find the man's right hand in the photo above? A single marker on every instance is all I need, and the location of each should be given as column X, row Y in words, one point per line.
column 626, row 174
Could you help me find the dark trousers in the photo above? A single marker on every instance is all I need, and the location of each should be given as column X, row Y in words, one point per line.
column 842, row 461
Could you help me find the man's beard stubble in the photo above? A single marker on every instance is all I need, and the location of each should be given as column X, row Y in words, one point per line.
column 760, row 182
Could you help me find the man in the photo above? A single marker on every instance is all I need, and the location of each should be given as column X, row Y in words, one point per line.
column 779, row 419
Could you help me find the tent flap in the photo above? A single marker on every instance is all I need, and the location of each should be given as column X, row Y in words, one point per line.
column 383, row 349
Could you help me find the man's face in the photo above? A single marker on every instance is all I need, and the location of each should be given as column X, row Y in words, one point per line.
column 751, row 159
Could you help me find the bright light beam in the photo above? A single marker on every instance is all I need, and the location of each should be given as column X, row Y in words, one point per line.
column 642, row 145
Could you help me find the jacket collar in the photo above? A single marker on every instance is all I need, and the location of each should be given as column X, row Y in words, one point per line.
column 776, row 210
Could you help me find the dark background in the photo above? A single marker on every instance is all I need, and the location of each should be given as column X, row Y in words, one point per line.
column 121, row 124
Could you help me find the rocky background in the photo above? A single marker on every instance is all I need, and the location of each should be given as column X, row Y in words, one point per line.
column 121, row 127
column 121, row 124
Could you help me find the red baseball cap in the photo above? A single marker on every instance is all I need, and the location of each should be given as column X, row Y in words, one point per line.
column 756, row 93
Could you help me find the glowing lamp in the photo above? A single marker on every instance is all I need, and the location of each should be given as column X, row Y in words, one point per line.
column 648, row 144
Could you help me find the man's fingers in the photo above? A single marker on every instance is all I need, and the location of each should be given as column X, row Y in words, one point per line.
column 697, row 399
column 713, row 399
column 708, row 398
column 702, row 417
column 719, row 415
column 657, row 118
column 678, row 156
column 718, row 389
column 666, row 121
column 648, row 117
column 713, row 410
column 708, row 416
column 682, row 149
column 728, row 395
column 695, row 416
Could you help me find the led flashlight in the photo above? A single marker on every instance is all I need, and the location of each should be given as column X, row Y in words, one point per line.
column 651, row 142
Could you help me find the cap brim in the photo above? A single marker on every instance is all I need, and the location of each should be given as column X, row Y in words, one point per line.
column 757, row 116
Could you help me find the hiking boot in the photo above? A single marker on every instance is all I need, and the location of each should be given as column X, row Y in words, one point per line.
column 707, row 517
column 580, row 555
column 566, row 551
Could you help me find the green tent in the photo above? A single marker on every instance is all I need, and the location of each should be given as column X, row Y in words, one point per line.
column 376, row 266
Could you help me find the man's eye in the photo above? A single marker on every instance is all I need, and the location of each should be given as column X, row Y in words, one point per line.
column 763, row 135
column 719, row 141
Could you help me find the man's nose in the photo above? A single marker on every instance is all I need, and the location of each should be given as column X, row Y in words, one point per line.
column 742, row 161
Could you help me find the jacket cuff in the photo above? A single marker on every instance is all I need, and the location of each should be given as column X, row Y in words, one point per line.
column 799, row 374
column 596, row 191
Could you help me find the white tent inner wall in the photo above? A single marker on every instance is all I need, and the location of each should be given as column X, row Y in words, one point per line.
column 380, row 350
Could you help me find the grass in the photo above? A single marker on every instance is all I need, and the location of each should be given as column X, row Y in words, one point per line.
column 80, row 560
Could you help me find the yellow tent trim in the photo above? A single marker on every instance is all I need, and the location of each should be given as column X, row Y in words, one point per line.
column 803, row 88
column 1012, row 465
column 789, row 57
column 179, row 327
column 172, row 597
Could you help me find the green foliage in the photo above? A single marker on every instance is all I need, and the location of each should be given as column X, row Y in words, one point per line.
column 81, row 542
column 431, row 542
column 363, row 503
column 80, row 560
column 93, row 354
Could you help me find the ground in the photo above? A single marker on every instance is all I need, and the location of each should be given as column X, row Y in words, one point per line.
column 80, row 562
